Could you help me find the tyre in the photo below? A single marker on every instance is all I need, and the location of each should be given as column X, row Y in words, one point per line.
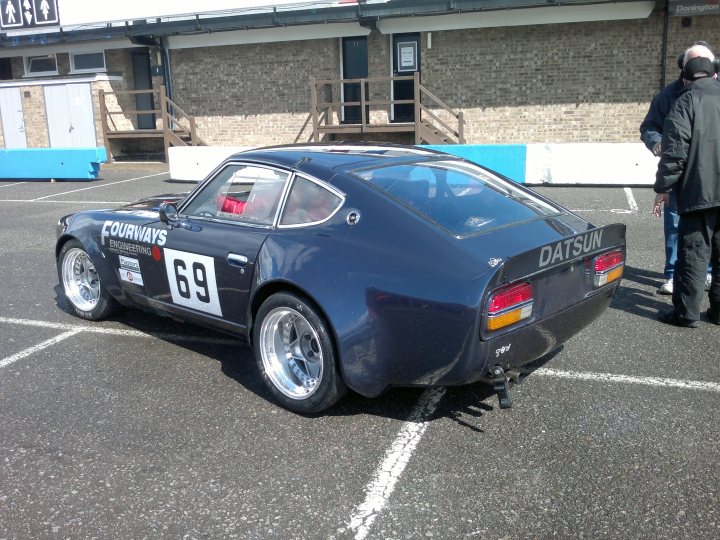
column 81, row 284
column 296, row 356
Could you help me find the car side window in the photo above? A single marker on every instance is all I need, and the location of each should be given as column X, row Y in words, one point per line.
column 243, row 193
column 309, row 202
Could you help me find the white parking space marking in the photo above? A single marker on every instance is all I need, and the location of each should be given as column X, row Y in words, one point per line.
column 117, row 332
column 631, row 199
column 611, row 210
column 120, row 332
column 39, row 347
column 397, row 457
column 627, row 379
column 100, row 186
column 93, row 203
column 386, row 476
column 13, row 184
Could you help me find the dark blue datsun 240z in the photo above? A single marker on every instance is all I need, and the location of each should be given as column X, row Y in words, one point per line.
column 361, row 267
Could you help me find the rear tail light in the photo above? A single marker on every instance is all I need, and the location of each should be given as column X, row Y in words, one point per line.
column 608, row 267
column 509, row 305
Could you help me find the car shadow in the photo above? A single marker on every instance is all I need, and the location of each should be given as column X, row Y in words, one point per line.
column 465, row 405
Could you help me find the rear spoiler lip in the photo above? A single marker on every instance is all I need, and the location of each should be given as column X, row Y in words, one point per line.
column 561, row 253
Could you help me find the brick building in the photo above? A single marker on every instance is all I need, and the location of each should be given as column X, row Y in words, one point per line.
column 519, row 71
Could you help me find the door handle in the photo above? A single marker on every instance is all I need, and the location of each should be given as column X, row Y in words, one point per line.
column 237, row 260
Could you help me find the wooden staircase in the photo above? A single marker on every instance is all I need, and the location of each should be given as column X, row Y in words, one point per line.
column 175, row 126
column 435, row 122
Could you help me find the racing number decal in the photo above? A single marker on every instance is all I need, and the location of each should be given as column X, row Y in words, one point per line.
column 192, row 281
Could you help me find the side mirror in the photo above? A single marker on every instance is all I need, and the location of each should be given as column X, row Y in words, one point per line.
column 168, row 214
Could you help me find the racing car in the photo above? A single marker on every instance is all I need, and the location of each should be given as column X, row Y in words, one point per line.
column 361, row 267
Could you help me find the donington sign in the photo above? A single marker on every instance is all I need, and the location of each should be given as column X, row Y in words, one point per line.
column 690, row 8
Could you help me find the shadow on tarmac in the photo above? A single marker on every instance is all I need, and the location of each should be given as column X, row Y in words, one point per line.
column 464, row 405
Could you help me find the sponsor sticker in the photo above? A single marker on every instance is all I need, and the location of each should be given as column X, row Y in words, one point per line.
column 130, row 270
column 134, row 233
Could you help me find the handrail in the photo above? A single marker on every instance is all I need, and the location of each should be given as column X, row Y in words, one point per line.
column 176, row 124
column 328, row 109
column 458, row 133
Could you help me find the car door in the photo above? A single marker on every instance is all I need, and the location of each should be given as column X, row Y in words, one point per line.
column 210, row 252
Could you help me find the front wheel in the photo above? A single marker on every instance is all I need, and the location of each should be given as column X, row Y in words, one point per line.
column 81, row 283
column 295, row 354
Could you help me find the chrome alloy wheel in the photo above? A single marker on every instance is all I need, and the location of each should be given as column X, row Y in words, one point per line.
column 80, row 280
column 291, row 353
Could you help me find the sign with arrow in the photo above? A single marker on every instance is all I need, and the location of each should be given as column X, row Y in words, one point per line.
column 19, row 14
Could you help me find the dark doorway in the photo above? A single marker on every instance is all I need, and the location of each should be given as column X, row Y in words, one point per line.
column 406, row 61
column 354, row 66
column 143, row 81
column 5, row 69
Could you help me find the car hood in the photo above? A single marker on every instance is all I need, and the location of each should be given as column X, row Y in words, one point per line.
column 151, row 204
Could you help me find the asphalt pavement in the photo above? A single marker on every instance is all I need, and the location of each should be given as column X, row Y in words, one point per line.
column 145, row 428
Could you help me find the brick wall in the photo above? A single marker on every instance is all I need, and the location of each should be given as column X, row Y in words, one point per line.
column 255, row 94
column 576, row 82
column 579, row 82
column 582, row 82
column 36, row 130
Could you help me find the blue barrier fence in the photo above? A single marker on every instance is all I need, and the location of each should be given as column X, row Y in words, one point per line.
column 507, row 159
column 51, row 163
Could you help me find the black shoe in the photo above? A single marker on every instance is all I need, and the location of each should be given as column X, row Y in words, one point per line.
column 670, row 317
column 713, row 315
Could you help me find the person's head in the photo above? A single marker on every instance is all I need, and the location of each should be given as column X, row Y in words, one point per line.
column 698, row 62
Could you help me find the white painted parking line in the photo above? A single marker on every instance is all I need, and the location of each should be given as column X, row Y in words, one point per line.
column 628, row 379
column 99, row 186
column 119, row 332
column 378, row 491
column 13, row 184
column 631, row 199
column 611, row 210
column 39, row 347
column 387, row 474
column 93, row 203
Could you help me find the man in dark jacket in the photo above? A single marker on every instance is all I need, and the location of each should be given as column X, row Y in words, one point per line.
column 690, row 163
column 651, row 130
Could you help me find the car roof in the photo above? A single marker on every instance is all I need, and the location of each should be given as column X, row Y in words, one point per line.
column 342, row 157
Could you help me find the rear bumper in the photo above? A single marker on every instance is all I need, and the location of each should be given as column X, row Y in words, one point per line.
column 528, row 343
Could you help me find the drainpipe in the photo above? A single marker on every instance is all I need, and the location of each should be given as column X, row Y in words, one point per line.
column 666, row 20
column 162, row 42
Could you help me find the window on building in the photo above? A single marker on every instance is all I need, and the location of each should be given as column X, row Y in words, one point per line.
column 87, row 62
column 41, row 65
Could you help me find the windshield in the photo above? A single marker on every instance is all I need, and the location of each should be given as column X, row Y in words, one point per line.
column 457, row 195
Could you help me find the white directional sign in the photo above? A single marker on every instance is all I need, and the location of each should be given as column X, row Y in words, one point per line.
column 11, row 15
column 28, row 13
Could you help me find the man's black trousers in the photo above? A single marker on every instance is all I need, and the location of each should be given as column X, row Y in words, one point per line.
column 698, row 244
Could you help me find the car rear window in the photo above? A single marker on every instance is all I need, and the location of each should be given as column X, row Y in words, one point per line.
column 457, row 195
column 308, row 202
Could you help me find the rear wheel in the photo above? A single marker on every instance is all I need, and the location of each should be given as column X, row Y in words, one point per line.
column 295, row 354
column 81, row 283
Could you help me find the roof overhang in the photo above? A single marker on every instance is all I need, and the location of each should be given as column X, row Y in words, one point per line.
column 519, row 17
column 335, row 19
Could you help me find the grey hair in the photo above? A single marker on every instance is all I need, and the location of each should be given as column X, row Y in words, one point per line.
column 698, row 51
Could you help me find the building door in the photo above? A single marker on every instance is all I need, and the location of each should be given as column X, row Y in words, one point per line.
column 143, row 81
column 13, row 122
column 406, row 61
column 354, row 66
column 71, row 122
